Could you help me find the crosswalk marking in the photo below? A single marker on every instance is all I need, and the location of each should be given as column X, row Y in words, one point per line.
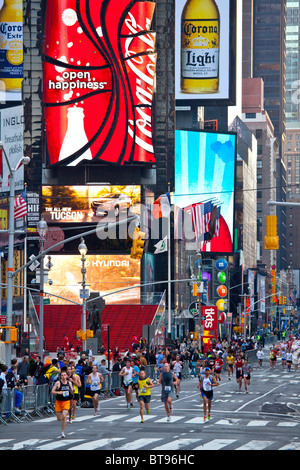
column 53, row 445
column 139, row 443
column 291, row 446
column 137, row 419
column 173, row 419
column 228, row 422
column 255, row 445
column 29, row 442
column 91, row 445
column 176, row 444
column 287, row 424
column 110, row 418
column 258, row 423
column 216, row 444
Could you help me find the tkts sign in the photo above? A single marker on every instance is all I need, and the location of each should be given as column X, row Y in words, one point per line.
column 98, row 77
column 209, row 324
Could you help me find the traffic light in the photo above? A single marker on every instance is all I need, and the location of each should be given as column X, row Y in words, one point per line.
column 271, row 238
column 89, row 334
column 195, row 290
column 14, row 335
column 138, row 244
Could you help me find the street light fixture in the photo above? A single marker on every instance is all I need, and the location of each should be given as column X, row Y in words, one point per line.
column 11, row 236
column 42, row 229
column 82, row 248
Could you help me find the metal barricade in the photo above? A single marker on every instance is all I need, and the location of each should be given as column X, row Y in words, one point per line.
column 7, row 406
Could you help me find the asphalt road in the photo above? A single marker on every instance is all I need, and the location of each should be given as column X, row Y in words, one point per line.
column 267, row 418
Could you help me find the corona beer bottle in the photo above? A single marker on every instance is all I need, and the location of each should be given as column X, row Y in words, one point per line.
column 11, row 45
column 200, row 43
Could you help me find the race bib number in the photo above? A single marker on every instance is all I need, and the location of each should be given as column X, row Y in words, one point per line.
column 168, row 388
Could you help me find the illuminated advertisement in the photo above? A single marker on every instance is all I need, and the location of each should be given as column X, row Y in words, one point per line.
column 11, row 50
column 86, row 204
column 204, row 50
column 99, row 65
column 11, row 134
column 204, row 187
column 104, row 274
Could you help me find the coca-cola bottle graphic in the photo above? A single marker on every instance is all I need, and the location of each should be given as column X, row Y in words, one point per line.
column 88, row 64
column 75, row 138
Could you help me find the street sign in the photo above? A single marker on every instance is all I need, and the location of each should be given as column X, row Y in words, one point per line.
column 84, row 293
column 47, row 301
column 35, row 263
column 2, row 319
column 194, row 308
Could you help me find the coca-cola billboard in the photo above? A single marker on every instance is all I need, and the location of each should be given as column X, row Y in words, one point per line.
column 99, row 66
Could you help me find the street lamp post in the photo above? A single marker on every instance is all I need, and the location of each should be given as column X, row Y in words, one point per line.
column 11, row 237
column 42, row 228
column 82, row 248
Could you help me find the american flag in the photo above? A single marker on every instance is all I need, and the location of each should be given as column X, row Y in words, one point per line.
column 20, row 206
column 201, row 216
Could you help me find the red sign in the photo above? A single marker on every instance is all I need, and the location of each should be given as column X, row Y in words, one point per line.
column 99, row 65
column 2, row 319
column 209, row 324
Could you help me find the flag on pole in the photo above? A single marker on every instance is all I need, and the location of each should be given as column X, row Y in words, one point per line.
column 161, row 246
column 162, row 206
column 201, row 216
column 20, row 206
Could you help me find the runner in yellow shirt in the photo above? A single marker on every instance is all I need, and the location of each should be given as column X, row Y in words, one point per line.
column 230, row 364
column 145, row 386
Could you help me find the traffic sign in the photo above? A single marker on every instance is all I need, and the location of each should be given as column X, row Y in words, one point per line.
column 84, row 293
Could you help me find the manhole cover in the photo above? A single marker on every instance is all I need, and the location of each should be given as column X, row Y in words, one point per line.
column 281, row 408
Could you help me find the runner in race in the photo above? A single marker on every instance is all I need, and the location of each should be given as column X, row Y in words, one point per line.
column 273, row 354
column 145, row 385
column 218, row 367
column 206, row 385
column 230, row 364
column 283, row 358
column 239, row 362
column 260, row 355
column 135, row 378
column 177, row 367
column 246, row 374
column 63, row 390
column 95, row 379
column 128, row 373
column 289, row 359
column 166, row 380
column 75, row 380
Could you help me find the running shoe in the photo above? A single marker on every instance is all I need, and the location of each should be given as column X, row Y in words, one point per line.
column 204, row 419
column 63, row 435
column 168, row 419
column 148, row 412
column 142, row 421
column 208, row 417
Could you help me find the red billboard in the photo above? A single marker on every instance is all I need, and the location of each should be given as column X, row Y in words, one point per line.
column 99, row 65
column 209, row 324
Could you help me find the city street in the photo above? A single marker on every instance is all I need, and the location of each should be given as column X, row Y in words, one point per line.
column 267, row 418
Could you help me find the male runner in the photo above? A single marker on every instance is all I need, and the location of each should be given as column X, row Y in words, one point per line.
column 145, row 385
column 166, row 380
column 218, row 367
column 63, row 390
column 206, row 385
column 177, row 367
column 95, row 379
column 239, row 371
column 128, row 373
column 246, row 374
column 230, row 364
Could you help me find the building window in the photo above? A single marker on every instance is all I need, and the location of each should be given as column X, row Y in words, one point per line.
column 259, row 163
column 258, row 133
column 250, row 115
column 259, row 150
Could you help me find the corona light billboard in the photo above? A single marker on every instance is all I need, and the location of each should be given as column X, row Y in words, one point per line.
column 99, row 64
column 205, row 50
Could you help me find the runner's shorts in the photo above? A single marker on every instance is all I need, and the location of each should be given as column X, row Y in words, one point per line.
column 62, row 405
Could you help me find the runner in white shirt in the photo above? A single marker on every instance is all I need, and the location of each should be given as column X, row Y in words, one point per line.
column 95, row 379
column 289, row 358
column 260, row 355
column 128, row 373
column 177, row 367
